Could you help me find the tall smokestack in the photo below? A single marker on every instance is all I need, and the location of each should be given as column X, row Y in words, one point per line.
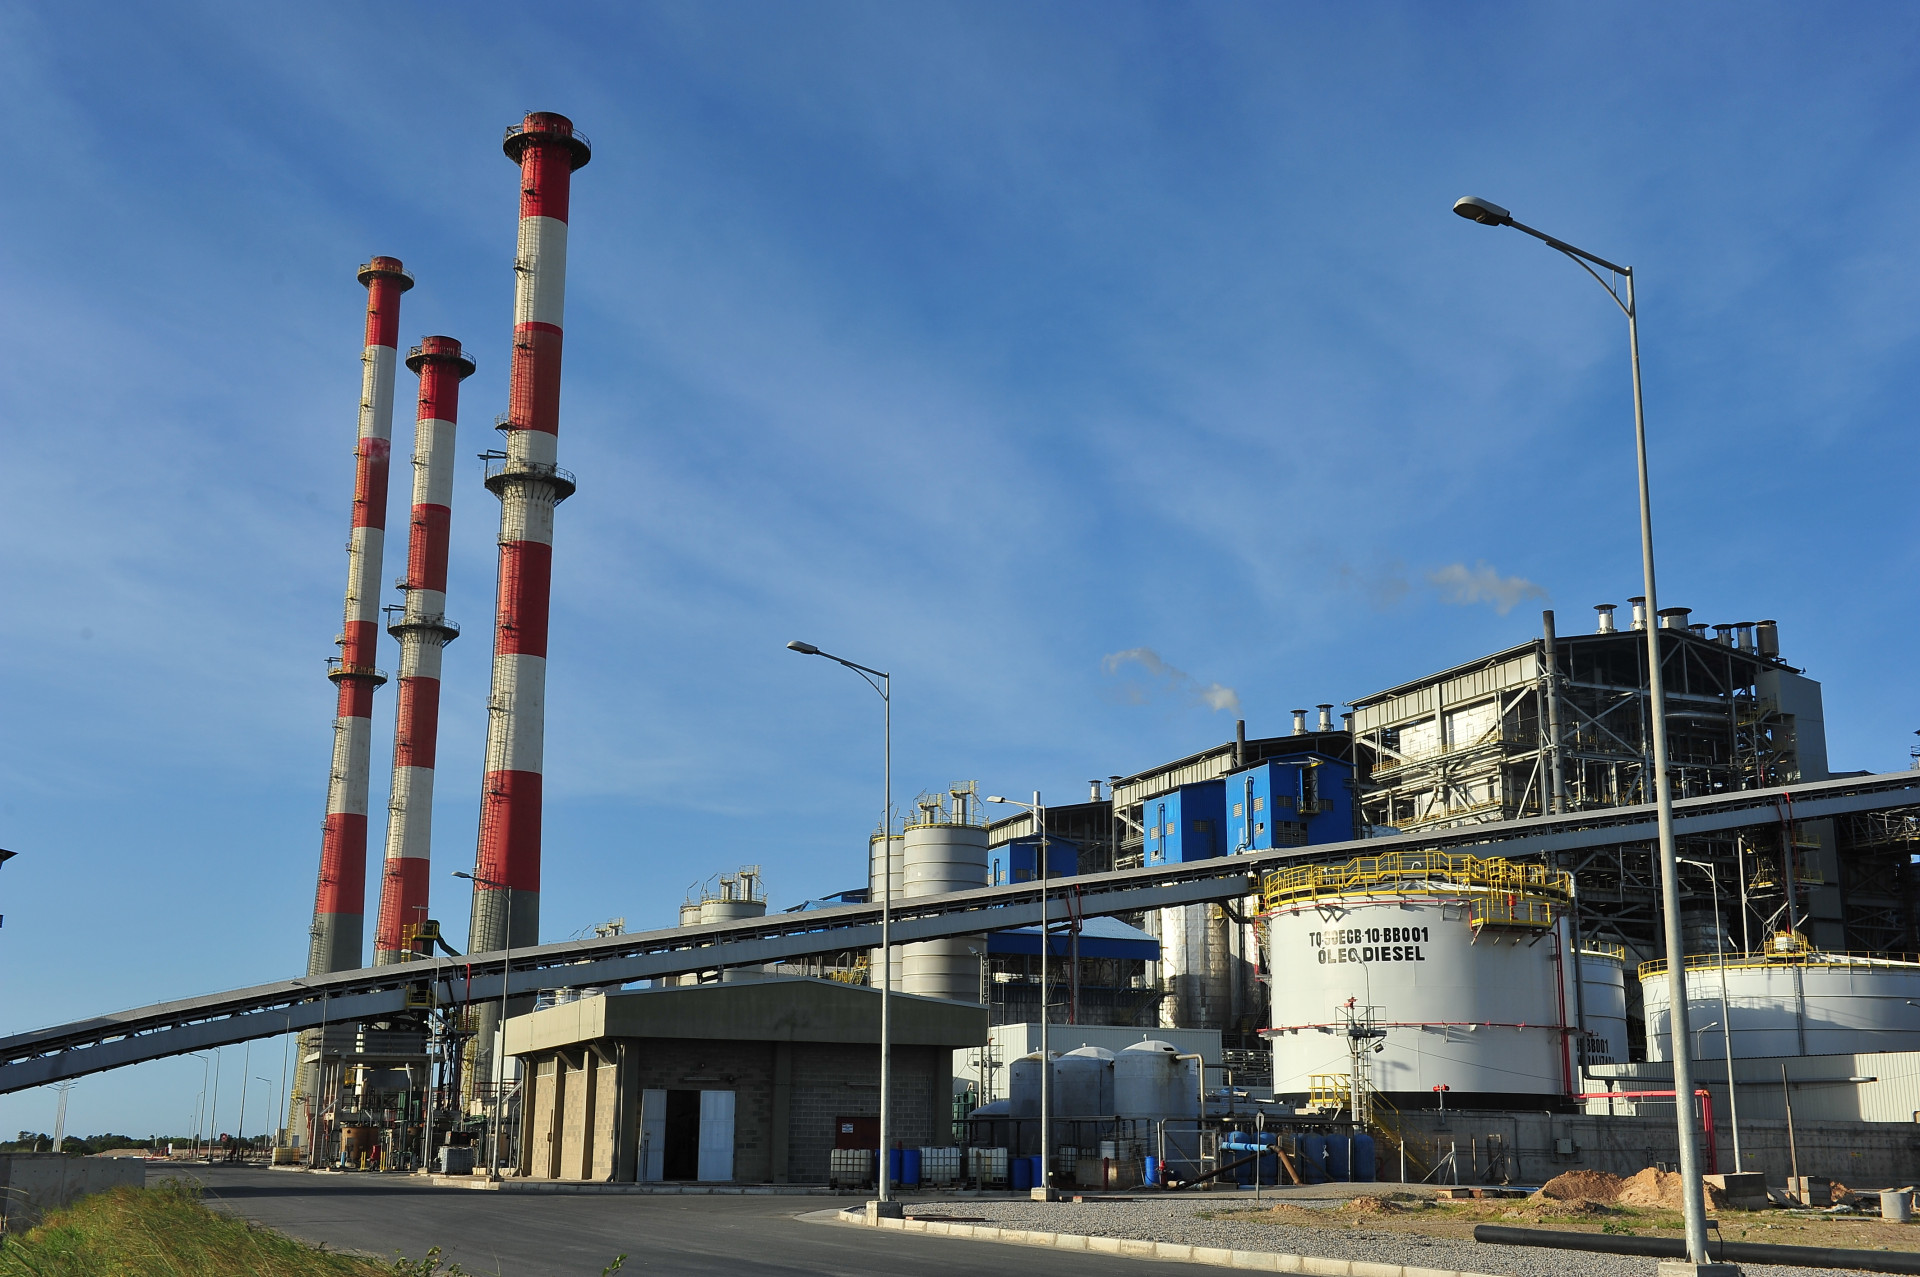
column 529, row 485
column 340, row 903
column 423, row 630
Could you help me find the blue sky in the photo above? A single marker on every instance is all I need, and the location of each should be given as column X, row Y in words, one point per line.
column 977, row 341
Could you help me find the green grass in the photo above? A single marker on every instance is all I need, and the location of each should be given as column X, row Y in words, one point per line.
column 166, row 1231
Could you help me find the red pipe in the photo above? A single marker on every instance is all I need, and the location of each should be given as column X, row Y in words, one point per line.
column 1706, row 1113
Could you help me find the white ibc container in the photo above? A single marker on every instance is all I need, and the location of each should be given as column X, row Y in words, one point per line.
column 1481, row 1009
column 1792, row 1003
column 1151, row 1081
column 987, row 1166
column 850, row 1167
column 1083, row 1083
column 939, row 1166
column 1603, row 989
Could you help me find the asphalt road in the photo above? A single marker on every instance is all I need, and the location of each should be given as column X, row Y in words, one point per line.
column 515, row 1235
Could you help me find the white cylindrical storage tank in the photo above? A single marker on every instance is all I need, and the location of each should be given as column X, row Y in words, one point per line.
column 1151, row 1080
column 690, row 914
column 1195, row 968
column 1083, row 1083
column 945, row 850
column 895, row 854
column 1603, row 993
column 720, row 909
column 1457, row 960
column 1797, row 1002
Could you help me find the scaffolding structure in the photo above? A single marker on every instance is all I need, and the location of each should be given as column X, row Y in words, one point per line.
column 1560, row 724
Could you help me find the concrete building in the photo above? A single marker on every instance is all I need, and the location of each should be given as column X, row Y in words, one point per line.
column 744, row 1083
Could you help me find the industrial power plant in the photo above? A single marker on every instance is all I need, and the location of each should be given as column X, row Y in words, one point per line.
column 1427, row 938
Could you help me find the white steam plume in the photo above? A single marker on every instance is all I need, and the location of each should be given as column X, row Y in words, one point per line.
column 1464, row 586
column 1215, row 696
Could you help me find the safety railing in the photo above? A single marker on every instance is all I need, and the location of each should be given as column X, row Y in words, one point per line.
column 1486, row 873
column 1795, row 956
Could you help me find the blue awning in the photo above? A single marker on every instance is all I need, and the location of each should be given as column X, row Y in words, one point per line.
column 1099, row 938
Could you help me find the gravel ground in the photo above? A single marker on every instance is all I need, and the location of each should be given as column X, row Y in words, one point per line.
column 1178, row 1220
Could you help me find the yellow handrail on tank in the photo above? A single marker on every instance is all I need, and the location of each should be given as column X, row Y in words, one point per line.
column 1786, row 949
column 1604, row 949
column 1401, row 868
column 1328, row 1090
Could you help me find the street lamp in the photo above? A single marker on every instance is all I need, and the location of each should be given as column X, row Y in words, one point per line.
column 500, row 1051
column 1726, row 1020
column 1043, row 1191
column 885, row 687
column 1488, row 213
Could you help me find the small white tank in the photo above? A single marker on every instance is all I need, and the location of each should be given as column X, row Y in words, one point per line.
column 1150, row 1080
column 690, row 914
column 1603, row 991
column 1083, row 1083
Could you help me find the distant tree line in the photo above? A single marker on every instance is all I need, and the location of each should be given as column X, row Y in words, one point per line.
column 83, row 1145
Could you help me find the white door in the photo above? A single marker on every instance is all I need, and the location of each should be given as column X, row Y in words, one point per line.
column 716, row 1136
column 653, row 1134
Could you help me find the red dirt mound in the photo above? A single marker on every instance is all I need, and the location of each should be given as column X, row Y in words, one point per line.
column 1593, row 1186
column 1653, row 1187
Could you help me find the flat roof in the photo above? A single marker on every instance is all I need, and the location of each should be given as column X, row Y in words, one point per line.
column 771, row 1009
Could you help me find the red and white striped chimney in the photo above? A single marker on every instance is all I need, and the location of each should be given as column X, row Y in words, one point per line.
column 340, row 903
column 423, row 630
column 529, row 485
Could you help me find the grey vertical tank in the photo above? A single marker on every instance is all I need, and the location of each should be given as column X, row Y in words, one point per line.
column 1196, row 966
column 945, row 850
column 1023, row 1086
column 896, row 849
column 1150, row 1080
column 1083, row 1083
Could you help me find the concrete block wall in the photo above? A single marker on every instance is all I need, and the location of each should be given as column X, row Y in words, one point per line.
column 1862, row 1155
column 581, row 1116
column 31, row 1184
column 832, row 1080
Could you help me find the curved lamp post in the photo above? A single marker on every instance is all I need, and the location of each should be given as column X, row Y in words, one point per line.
column 500, row 1051
column 1487, row 213
column 882, row 683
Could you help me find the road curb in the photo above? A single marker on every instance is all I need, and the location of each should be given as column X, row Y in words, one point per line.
column 481, row 1184
column 1259, row 1261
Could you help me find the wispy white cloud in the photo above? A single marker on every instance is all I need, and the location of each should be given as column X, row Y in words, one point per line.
column 1173, row 680
column 1463, row 586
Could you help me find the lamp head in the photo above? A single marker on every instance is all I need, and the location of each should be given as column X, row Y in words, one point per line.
column 995, row 798
column 467, row 876
column 1485, row 212
column 805, row 649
